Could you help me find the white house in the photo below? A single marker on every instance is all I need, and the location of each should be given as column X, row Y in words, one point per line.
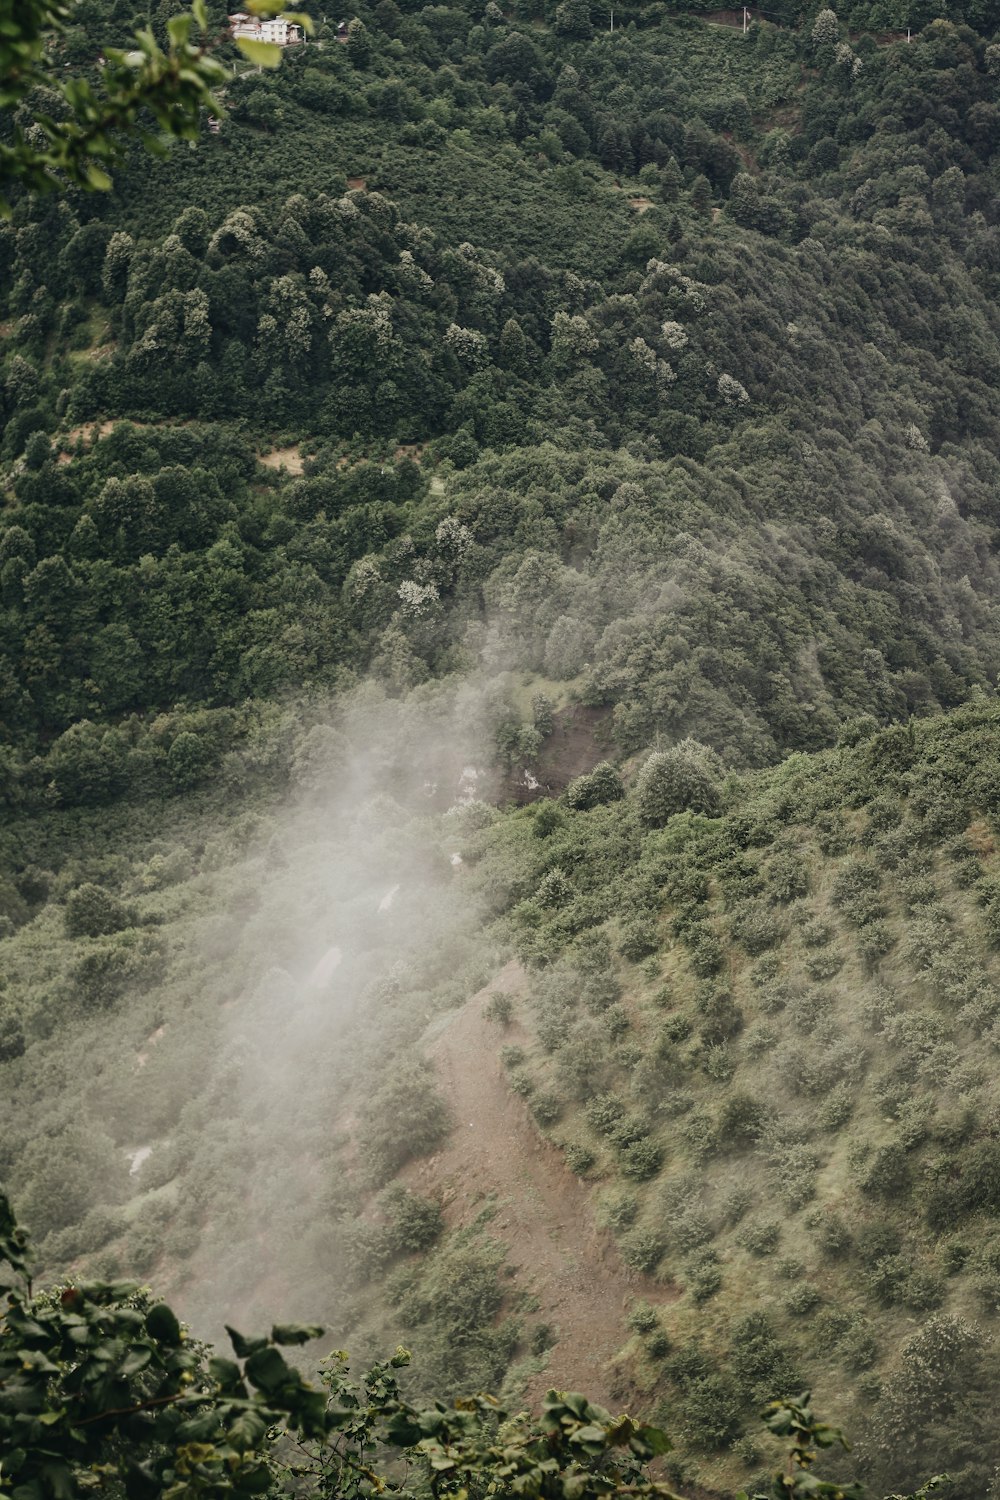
column 283, row 33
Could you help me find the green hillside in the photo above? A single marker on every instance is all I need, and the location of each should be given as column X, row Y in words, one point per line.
column 521, row 498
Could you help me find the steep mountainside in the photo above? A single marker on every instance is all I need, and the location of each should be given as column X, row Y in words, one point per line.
column 498, row 734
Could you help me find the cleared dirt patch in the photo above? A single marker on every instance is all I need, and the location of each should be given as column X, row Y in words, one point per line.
column 91, row 432
column 289, row 459
column 641, row 205
column 579, row 741
column 544, row 1213
column 358, row 184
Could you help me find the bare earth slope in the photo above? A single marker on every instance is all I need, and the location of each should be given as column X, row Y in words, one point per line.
column 544, row 1213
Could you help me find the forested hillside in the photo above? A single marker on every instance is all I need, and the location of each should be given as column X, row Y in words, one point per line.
column 521, row 497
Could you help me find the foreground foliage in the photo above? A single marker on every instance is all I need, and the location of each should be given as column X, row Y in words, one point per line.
column 100, row 1386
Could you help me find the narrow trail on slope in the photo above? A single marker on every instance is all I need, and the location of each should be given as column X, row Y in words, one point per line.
column 544, row 1213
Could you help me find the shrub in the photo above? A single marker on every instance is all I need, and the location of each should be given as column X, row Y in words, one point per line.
column 92, row 911
column 741, row 1120
column 876, row 1239
column 619, row 1212
column 698, row 1134
column 837, row 1108
column 832, row 1235
column 735, row 1203
column 642, row 1249
column 754, row 926
column 816, row 933
column 415, row 1222
column 859, row 1349
column 759, row 1362
column 12, row 1042
column 601, row 785
column 542, row 1338
column 924, row 1290
column 710, row 1412
column 404, row 1117
column 705, row 951
column 579, row 1158
column 546, row 1107
column 554, row 889
column 718, row 1062
column 823, row 966
column 888, row 1277
column 512, row 1056
column 955, row 1256
column 658, row 1345
column 787, row 878
column 703, row 1275
column 722, row 1018
column 676, row 1028
column 761, row 1236
column 500, row 1009
column 671, row 781
column 886, row 1172
column 875, row 941
column 794, row 1169
column 643, row 1318
column 803, row 1300
column 639, row 938
column 546, row 820
column 641, row 1160
column 521, row 1083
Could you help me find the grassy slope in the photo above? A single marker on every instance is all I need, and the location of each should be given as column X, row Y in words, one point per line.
column 824, row 1099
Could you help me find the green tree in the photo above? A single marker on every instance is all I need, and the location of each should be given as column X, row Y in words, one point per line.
column 684, row 778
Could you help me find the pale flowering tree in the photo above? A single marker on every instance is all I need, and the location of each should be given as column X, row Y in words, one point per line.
column 825, row 29
column 731, row 391
column 415, row 599
column 469, row 346
column 453, row 536
column 572, row 338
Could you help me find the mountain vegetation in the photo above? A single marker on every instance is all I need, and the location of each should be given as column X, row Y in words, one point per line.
column 523, row 488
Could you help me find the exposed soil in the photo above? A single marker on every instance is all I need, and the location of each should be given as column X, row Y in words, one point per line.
column 91, row 432
column 641, row 205
column 289, row 459
column 358, row 184
column 726, row 17
column 543, row 1213
column 579, row 741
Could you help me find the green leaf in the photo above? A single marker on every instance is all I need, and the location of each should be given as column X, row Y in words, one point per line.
column 141, row 1483
column 655, row 1439
column 264, row 54
column 267, row 1370
column 97, row 177
column 588, row 1435
column 255, row 1481
column 136, row 1359
column 246, row 1430
column 162, row 1325
column 243, row 1346
column 200, row 14
column 295, row 1333
column 226, row 1374
column 179, row 29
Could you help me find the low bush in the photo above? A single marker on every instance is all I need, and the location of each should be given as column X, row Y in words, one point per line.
column 91, row 911
column 760, row 1236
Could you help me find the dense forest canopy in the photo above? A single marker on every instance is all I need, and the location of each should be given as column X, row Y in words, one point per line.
column 519, row 496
